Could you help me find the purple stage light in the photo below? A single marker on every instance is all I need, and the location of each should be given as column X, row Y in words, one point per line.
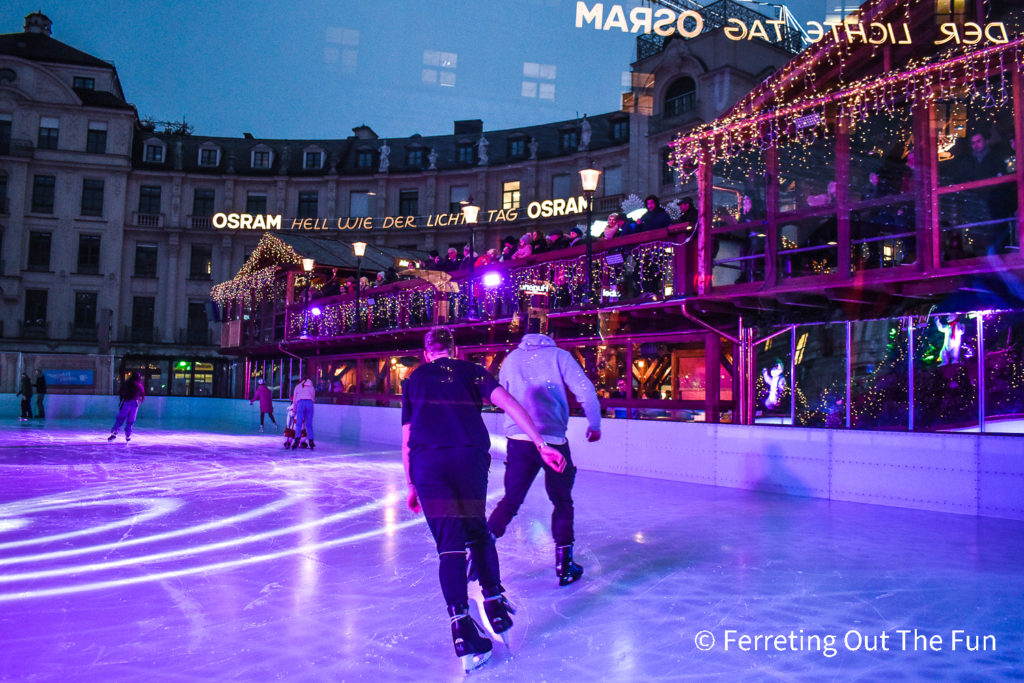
column 315, row 310
column 492, row 279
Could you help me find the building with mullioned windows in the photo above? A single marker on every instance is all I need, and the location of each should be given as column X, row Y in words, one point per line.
column 106, row 221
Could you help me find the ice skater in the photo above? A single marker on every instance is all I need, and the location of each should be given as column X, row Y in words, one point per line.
column 445, row 454
column 25, row 391
column 40, row 394
column 133, row 393
column 537, row 373
column 302, row 400
column 266, row 402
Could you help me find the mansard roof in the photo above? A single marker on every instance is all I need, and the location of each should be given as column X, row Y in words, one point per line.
column 38, row 47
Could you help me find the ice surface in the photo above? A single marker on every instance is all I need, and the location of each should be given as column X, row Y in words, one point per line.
column 188, row 555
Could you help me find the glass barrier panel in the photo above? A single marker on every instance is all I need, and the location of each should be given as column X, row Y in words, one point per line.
column 883, row 236
column 773, row 383
column 945, row 373
column 821, row 376
column 879, row 397
column 1004, row 373
column 808, row 247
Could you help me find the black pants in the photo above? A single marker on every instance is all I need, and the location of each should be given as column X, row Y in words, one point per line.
column 451, row 484
column 524, row 462
column 26, row 406
column 271, row 414
column 39, row 405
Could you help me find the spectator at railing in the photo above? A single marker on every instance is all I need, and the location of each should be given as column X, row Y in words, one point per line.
column 390, row 275
column 689, row 212
column 618, row 226
column 433, row 260
column 508, row 248
column 537, row 242
column 575, row 236
column 451, row 264
column 468, row 258
column 487, row 258
column 525, row 247
column 556, row 240
column 333, row 286
column 656, row 216
column 379, row 282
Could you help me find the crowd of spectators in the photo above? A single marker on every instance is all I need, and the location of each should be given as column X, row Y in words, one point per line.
column 535, row 242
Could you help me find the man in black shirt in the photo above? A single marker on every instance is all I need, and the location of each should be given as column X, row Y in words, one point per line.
column 445, row 453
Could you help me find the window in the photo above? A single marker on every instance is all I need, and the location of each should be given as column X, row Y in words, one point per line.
column 364, row 159
column 408, row 202
column 84, row 82
column 96, row 138
column 309, row 204
column 209, row 156
column 153, row 153
column 202, row 203
column 414, row 159
column 261, row 158
column 92, row 197
column 464, row 153
column 359, row 204
column 313, row 160
column 35, row 308
column 510, row 195
column 142, row 318
column 39, row 251
column 256, row 203
column 3, row 193
column 145, row 260
column 149, row 199
column 517, row 147
column 201, row 265
column 85, row 310
column 5, row 134
column 668, row 174
column 620, row 130
column 612, row 178
column 89, row 254
column 456, row 195
column 42, row 193
column 681, row 97
column 561, row 185
column 568, row 139
column 49, row 129
column 198, row 329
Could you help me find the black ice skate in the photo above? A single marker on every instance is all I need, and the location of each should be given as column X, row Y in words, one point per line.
column 499, row 610
column 471, row 645
column 567, row 570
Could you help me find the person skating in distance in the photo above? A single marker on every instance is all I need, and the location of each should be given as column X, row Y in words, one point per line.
column 445, row 454
column 537, row 373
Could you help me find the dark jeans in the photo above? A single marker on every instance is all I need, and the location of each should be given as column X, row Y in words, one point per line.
column 524, row 462
column 263, row 415
column 126, row 416
column 26, row 406
column 451, row 484
column 39, row 405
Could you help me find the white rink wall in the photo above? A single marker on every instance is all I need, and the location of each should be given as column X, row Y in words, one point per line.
column 960, row 473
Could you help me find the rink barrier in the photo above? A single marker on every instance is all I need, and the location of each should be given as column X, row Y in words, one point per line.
column 959, row 473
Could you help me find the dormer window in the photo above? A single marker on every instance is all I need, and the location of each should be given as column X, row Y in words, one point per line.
column 209, row 155
column 517, row 147
column 568, row 138
column 414, row 157
column 84, row 82
column 153, row 152
column 364, row 158
column 620, row 130
column 464, row 153
column 312, row 159
column 261, row 157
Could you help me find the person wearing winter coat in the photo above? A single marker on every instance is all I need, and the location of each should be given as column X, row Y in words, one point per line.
column 132, row 393
column 266, row 402
column 25, row 391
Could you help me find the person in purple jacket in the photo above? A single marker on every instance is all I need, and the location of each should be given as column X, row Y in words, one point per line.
column 133, row 393
column 266, row 402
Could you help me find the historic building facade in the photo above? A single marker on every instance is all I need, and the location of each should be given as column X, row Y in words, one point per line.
column 109, row 250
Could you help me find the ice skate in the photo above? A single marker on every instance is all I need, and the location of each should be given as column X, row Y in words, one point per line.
column 471, row 646
column 261, row 429
column 127, row 438
column 112, row 437
column 312, row 445
column 498, row 611
column 567, row 570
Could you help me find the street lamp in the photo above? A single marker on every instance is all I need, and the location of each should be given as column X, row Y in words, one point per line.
column 358, row 248
column 589, row 178
column 307, row 267
column 470, row 212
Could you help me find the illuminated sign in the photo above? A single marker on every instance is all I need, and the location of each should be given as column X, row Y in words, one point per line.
column 541, row 209
column 530, row 288
column 690, row 24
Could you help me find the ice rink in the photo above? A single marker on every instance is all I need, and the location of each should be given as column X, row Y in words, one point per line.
column 187, row 555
